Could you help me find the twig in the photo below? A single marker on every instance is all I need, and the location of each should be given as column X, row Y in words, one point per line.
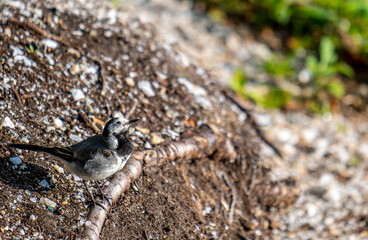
column 37, row 29
column 234, row 200
column 88, row 123
column 134, row 107
column 101, row 78
column 253, row 123
column 16, row 94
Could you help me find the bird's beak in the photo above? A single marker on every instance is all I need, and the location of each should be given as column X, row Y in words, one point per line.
column 133, row 121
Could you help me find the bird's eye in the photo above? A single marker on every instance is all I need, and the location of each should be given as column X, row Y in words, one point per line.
column 118, row 122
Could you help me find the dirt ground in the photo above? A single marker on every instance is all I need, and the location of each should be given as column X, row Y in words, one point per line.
column 117, row 66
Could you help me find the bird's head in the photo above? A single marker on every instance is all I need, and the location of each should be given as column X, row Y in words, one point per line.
column 117, row 126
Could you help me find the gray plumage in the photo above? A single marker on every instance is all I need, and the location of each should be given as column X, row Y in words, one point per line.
column 96, row 157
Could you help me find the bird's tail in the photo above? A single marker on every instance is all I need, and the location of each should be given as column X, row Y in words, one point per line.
column 63, row 153
column 31, row 147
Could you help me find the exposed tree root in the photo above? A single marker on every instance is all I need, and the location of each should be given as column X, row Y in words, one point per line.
column 207, row 141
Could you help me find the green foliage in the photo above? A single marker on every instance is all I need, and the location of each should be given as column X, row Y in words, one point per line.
column 274, row 98
column 238, row 82
column 303, row 18
column 323, row 29
column 31, row 49
column 117, row 3
column 355, row 161
column 279, row 66
column 264, row 95
column 327, row 65
column 336, row 88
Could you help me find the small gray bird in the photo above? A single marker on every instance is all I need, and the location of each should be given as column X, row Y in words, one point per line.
column 96, row 157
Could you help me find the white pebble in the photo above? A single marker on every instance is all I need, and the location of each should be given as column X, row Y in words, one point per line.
column 75, row 138
column 311, row 209
column 309, row 135
column 77, row 94
column 6, row 122
column 49, row 43
column 58, row 123
column 192, row 88
column 146, row 87
column 48, row 202
column 58, row 169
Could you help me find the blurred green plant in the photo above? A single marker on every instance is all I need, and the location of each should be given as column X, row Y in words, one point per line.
column 325, row 69
column 308, row 20
column 31, row 49
column 117, row 3
column 264, row 95
column 279, row 66
column 337, row 28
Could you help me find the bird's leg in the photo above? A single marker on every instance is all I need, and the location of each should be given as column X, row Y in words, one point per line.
column 93, row 198
column 103, row 194
column 89, row 193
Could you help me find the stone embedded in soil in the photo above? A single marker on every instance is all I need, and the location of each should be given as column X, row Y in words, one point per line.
column 48, row 202
column 75, row 138
column 75, row 69
column 44, row 183
column 58, row 169
column 146, row 88
column 77, row 94
column 145, row 131
column 6, row 122
column 199, row 93
column 49, row 43
column 156, row 139
column 192, row 88
column 59, row 123
column 148, row 145
column 15, row 160
column 130, row 81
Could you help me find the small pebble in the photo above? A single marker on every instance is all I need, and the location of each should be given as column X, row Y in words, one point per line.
column 75, row 138
column 80, row 223
column 145, row 131
column 44, row 183
column 59, row 123
column 15, row 160
column 32, row 217
column 156, row 138
column 6, row 122
column 49, row 129
column 133, row 74
column 77, row 94
column 192, row 88
column 146, row 87
column 59, row 169
column 48, row 202
column 130, row 81
column 74, row 52
column 20, row 126
column 148, row 145
column 50, row 43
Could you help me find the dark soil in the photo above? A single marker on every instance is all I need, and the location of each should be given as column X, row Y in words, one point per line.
column 183, row 200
